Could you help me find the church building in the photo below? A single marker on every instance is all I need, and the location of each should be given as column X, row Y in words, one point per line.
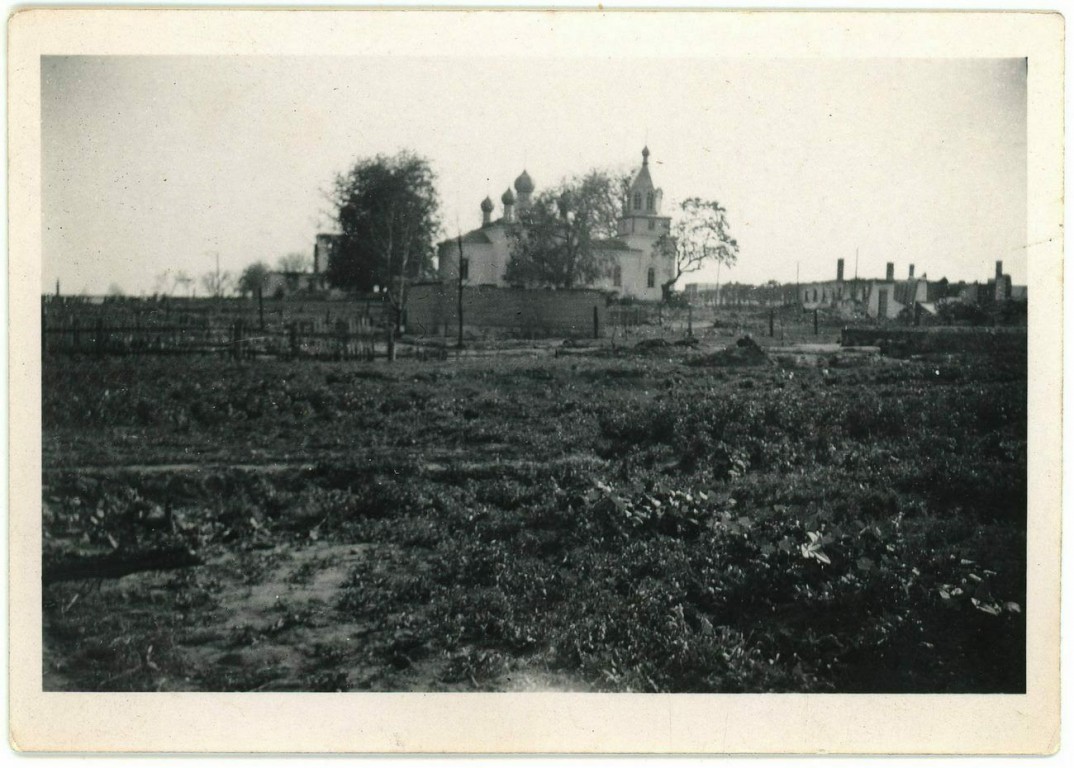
column 636, row 268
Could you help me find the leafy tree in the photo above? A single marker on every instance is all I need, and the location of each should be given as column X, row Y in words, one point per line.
column 700, row 236
column 387, row 212
column 294, row 262
column 558, row 238
column 253, row 277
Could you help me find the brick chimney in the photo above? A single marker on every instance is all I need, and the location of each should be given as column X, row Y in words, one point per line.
column 999, row 270
column 891, row 271
column 911, row 271
column 839, row 270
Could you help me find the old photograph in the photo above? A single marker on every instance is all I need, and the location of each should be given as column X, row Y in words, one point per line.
column 537, row 374
column 355, row 380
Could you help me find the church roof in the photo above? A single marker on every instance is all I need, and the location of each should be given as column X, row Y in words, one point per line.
column 471, row 237
column 643, row 181
column 476, row 236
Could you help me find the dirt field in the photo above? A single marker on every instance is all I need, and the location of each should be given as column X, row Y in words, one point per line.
column 640, row 521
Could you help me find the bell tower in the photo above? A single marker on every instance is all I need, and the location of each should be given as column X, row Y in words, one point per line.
column 643, row 206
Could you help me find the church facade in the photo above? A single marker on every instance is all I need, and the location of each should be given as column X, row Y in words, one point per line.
column 637, row 269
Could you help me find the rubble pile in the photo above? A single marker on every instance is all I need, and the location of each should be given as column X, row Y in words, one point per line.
column 744, row 352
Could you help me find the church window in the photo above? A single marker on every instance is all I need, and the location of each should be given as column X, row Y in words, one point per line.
column 637, row 201
column 465, row 269
column 617, row 276
column 652, row 278
column 648, row 201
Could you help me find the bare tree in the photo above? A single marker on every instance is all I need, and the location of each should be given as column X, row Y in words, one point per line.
column 181, row 280
column 700, row 236
column 162, row 284
column 294, row 262
column 217, row 284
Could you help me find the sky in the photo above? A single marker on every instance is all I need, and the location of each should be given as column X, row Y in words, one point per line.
column 170, row 163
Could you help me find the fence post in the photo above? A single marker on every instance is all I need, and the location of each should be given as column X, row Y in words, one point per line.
column 596, row 323
column 390, row 328
column 690, row 320
column 771, row 323
column 816, row 330
column 460, row 305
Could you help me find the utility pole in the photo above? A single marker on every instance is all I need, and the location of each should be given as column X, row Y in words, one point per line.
column 459, row 270
column 718, row 265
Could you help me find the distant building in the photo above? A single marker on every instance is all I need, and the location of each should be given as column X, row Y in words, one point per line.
column 888, row 298
column 877, row 298
column 637, row 269
column 997, row 290
column 283, row 284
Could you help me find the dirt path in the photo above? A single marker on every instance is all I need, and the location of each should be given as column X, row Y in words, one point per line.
column 261, row 620
column 458, row 460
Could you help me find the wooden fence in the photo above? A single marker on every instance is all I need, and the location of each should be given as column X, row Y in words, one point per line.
column 343, row 332
column 623, row 320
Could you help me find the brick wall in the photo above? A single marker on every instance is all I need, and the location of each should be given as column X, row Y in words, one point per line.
column 432, row 309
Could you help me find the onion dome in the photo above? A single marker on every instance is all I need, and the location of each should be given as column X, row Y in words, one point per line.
column 524, row 184
column 508, row 197
column 486, row 205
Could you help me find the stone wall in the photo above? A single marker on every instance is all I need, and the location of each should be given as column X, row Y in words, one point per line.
column 432, row 311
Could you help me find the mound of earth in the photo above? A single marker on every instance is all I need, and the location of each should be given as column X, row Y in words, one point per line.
column 745, row 352
column 650, row 346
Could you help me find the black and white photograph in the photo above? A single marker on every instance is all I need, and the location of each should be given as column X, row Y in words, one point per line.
column 534, row 374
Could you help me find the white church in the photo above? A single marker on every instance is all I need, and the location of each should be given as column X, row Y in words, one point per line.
column 637, row 268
